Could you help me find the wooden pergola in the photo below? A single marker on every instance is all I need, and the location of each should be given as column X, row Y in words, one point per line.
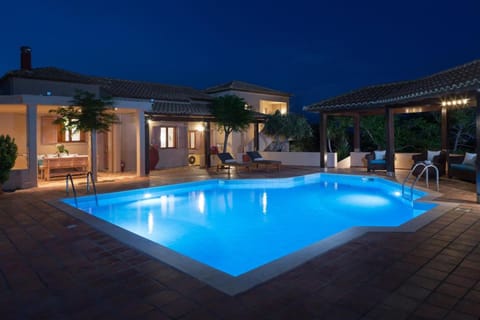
column 453, row 88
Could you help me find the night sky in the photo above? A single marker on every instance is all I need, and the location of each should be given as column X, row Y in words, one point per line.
column 311, row 49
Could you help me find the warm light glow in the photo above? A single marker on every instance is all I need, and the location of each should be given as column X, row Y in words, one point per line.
column 201, row 202
column 150, row 223
column 455, row 102
column 264, row 203
column 283, row 111
column 200, row 128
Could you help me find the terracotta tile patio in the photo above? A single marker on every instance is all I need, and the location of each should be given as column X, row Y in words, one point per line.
column 53, row 266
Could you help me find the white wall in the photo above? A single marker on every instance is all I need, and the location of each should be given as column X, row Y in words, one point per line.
column 294, row 158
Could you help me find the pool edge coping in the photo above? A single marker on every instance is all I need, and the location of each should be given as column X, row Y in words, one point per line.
column 232, row 285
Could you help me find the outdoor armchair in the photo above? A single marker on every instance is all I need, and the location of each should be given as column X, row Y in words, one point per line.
column 437, row 158
column 376, row 160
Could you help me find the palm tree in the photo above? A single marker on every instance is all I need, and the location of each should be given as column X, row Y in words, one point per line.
column 231, row 115
column 88, row 114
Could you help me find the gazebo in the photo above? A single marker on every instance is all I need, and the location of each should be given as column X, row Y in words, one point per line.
column 457, row 87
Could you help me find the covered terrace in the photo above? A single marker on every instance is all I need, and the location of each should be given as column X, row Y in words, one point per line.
column 458, row 87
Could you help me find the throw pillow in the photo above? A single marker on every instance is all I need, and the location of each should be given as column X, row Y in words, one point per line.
column 431, row 154
column 470, row 158
column 380, row 154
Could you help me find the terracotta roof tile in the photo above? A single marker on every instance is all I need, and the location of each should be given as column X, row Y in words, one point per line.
column 462, row 78
column 244, row 86
column 179, row 108
column 115, row 87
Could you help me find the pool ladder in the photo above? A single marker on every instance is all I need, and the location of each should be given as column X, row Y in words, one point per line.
column 90, row 179
column 424, row 170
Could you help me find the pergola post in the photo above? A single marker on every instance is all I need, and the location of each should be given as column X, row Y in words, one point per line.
column 390, row 141
column 206, row 142
column 477, row 148
column 444, row 129
column 256, row 135
column 322, row 127
column 356, row 132
column 147, row 146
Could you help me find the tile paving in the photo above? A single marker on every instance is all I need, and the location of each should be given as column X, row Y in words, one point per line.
column 53, row 266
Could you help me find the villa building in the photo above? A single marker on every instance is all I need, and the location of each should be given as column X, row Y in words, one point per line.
column 161, row 126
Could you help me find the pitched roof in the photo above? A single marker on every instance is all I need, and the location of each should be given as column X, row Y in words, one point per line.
column 188, row 110
column 114, row 87
column 179, row 108
column 244, row 86
column 459, row 79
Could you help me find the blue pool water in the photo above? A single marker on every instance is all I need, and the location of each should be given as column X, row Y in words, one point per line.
column 238, row 225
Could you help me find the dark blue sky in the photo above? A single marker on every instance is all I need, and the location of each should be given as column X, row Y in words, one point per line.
column 311, row 49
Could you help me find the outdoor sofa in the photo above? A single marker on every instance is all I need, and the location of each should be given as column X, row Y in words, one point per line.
column 462, row 167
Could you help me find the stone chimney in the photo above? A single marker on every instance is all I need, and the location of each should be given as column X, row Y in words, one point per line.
column 25, row 58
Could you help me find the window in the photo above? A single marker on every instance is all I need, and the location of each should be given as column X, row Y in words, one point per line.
column 168, row 137
column 53, row 133
column 70, row 135
column 192, row 141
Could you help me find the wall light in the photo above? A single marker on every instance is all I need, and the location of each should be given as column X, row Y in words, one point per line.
column 455, row 102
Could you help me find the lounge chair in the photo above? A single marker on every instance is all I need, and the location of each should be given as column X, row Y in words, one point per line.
column 257, row 160
column 227, row 161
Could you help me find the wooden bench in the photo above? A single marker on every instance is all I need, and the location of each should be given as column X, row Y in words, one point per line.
column 60, row 167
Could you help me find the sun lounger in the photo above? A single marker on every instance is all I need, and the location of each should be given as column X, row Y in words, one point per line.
column 227, row 161
column 257, row 160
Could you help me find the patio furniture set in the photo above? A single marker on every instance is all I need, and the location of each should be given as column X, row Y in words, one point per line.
column 459, row 166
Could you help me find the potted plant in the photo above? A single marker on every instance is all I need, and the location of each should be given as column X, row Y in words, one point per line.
column 8, row 155
column 61, row 149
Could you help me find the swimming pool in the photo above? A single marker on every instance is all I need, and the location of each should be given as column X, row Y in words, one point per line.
column 236, row 227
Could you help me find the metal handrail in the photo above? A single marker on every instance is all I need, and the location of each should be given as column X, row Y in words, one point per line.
column 425, row 169
column 90, row 178
column 69, row 177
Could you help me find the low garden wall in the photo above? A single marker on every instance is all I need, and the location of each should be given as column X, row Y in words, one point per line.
column 356, row 159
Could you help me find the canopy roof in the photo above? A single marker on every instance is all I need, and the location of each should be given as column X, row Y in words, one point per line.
column 460, row 80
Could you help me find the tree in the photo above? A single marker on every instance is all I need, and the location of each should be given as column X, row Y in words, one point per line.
column 88, row 114
column 462, row 129
column 337, row 136
column 373, row 127
column 284, row 128
column 231, row 115
column 8, row 155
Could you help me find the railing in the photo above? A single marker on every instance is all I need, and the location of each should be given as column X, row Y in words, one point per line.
column 426, row 166
column 68, row 178
column 90, row 180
